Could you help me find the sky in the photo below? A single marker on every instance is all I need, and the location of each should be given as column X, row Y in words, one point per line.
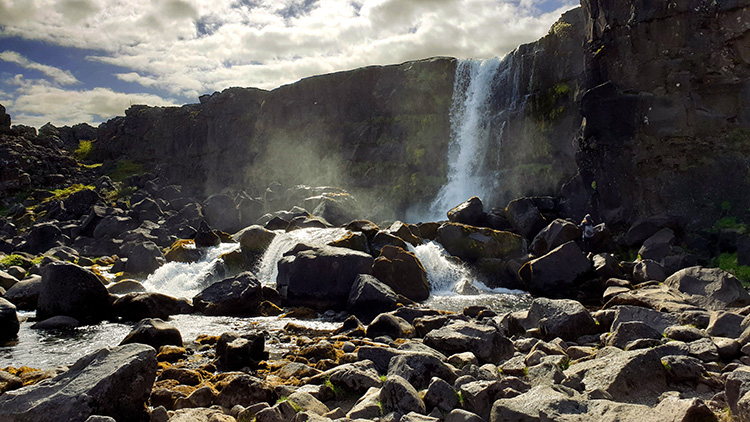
column 86, row 61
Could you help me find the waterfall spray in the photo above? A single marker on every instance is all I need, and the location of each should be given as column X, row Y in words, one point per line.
column 470, row 121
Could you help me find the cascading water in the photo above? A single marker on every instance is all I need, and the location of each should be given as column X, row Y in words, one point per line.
column 470, row 123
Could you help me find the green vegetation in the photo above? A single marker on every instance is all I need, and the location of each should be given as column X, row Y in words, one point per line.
column 564, row 364
column 562, row 30
column 90, row 166
column 59, row 194
column 460, row 398
column 338, row 391
column 728, row 263
column 124, row 169
column 730, row 223
column 14, row 259
column 84, row 150
column 297, row 408
column 666, row 365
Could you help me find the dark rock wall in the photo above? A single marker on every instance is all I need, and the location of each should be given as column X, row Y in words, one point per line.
column 667, row 126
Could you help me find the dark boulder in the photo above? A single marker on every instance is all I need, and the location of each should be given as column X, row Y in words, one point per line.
column 470, row 213
column 403, row 272
column 555, row 234
column 405, row 233
column 648, row 270
column 419, row 368
column 647, row 227
column 397, row 395
column 9, row 324
column 145, row 258
column 136, row 306
column 25, row 293
column 390, row 326
column 525, row 217
column 337, row 209
column 369, row 298
column 236, row 296
column 383, row 239
column 628, row 332
column 155, row 333
column 472, row 243
column 555, row 274
column 222, row 213
column 205, row 237
column 250, row 209
column 254, row 239
column 43, row 237
column 113, row 226
column 321, row 278
column 743, row 250
column 658, row 246
column 147, row 210
column 234, row 351
column 369, row 228
column 70, row 290
column 562, row 318
column 114, row 382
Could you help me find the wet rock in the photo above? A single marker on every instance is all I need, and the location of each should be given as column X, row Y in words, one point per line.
column 125, row 286
column 155, row 333
column 87, row 388
column 712, row 288
column 205, row 237
column 397, row 395
column 136, row 306
column 564, row 318
column 525, row 217
column 403, row 232
column 254, row 239
column 236, row 296
column 470, row 213
column 369, row 298
column 145, row 258
column 321, row 278
column 234, row 352
column 70, row 290
column 555, row 274
column 390, row 326
column 183, row 250
column 351, row 240
column 471, row 243
column 557, row 233
column 9, row 324
column 59, row 322
column 486, row 342
column 25, row 293
column 403, row 272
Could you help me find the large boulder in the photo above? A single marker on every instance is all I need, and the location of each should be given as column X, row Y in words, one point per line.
column 369, row 298
column 472, row 243
column 70, row 290
column 25, row 293
column 658, row 246
column 9, row 324
column 145, row 258
column 486, row 342
column 236, row 296
column 555, row 234
column 525, row 217
column 222, row 213
column 712, row 288
column 321, row 278
column 555, row 274
column 337, row 208
column 147, row 210
column 562, row 318
column 136, row 306
column 155, row 333
column 403, row 272
column 113, row 225
column 234, row 351
column 419, row 368
column 397, row 395
column 112, row 382
column 470, row 213
column 254, row 239
column 43, row 237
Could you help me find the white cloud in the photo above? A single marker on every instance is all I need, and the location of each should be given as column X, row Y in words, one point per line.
column 36, row 104
column 63, row 77
column 192, row 47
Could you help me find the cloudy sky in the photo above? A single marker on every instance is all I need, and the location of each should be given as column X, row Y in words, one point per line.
column 72, row 61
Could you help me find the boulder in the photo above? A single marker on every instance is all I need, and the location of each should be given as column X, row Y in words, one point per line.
column 725, row 324
column 234, row 351
column 367, row 407
column 352, row 240
column 154, row 332
column 659, row 321
column 369, row 298
column 136, row 306
column 358, row 377
column 606, row 266
column 88, row 388
column 205, row 237
column 648, row 270
column 59, row 322
column 383, row 238
column 403, row 232
column 70, row 290
column 555, row 234
column 440, row 395
column 250, row 209
column 390, row 326
column 321, row 278
column 470, row 213
column 711, row 288
column 238, row 388
column 9, row 324
column 660, row 298
column 403, row 272
column 236, row 296
column 222, row 213
column 628, row 332
column 147, row 210
column 397, row 395
column 112, row 226
column 486, row 342
column 126, row 286
column 564, row 318
column 254, row 239
column 472, row 243
column 145, row 258
column 419, row 368
column 658, row 246
column 644, row 228
column 183, row 250
column 337, row 209
column 25, row 293
column 538, row 404
column 555, row 274
column 43, row 237
column 478, row 396
column 7, row 281
column 525, row 217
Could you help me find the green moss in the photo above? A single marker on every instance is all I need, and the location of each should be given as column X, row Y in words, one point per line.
column 15, row 260
column 666, row 365
column 562, row 29
column 124, row 169
column 59, row 194
column 84, row 150
column 730, row 223
column 728, row 263
column 90, row 166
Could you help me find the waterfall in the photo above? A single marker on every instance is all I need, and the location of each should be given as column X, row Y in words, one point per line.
column 470, row 123
column 442, row 274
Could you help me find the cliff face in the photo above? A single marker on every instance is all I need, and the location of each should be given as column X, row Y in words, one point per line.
column 667, row 126
column 381, row 131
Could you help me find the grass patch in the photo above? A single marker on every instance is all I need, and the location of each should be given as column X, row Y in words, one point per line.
column 338, row 391
column 730, row 223
column 666, row 365
column 460, row 398
column 15, row 260
column 124, row 169
column 297, row 408
column 90, row 166
column 84, row 150
column 728, row 263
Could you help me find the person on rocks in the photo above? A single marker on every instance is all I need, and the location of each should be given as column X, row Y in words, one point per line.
column 587, row 225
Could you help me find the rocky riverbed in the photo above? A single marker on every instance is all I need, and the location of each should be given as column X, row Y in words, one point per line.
column 640, row 328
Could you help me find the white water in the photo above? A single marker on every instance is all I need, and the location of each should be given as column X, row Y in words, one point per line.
column 179, row 279
column 285, row 241
column 470, row 122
